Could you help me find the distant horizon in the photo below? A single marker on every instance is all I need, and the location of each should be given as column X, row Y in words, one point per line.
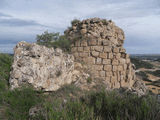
column 10, row 50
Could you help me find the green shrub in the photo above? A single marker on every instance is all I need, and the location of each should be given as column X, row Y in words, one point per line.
column 19, row 101
column 54, row 40
column 75, row 21
column 5, row 66
column 155, row 73
column 62, row 43
column 141, row 64
column 105, row 106
column 47, row 38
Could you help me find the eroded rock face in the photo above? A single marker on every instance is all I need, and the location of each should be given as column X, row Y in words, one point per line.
column 99, row 43
column 44, row 68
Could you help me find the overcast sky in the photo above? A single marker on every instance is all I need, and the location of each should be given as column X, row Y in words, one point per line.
column 21, row 20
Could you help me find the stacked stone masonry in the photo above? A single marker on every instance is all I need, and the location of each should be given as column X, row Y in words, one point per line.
column 99, row 43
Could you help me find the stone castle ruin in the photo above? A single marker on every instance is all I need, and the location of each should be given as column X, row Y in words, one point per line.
column 99, row 43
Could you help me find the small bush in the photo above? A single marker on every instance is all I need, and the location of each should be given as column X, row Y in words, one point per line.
column 75, row 21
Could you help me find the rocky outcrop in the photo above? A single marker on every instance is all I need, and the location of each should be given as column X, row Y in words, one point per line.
column 43, row 68
column 99, row 43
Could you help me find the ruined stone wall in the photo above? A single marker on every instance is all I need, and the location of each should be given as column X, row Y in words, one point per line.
column 99, row 43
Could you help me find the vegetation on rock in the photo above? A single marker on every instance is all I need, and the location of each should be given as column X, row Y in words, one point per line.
column 54, row 40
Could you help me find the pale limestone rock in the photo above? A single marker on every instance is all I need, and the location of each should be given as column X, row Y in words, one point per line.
column 43, row 68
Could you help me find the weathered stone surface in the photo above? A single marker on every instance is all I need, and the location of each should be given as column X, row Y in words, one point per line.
column 43, row 68
column 105, row 51
column 106, row 61
column 108, row 67
column 95, row 54
column 99, row 61
column 103, row 55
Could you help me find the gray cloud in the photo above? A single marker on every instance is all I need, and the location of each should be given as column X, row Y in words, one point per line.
column 18, row 22
column 4, row 15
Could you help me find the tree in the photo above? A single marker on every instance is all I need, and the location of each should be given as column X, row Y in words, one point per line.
column 54, row 40
column 47, row 38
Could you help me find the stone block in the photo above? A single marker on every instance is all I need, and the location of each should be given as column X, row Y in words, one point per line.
column 99, row 61
column 107, row 61
column 113, row 40
column 83, row 31
column 118, row 56
column 97, row 67
column 99, row 42
column 76, row 55
column 115, row 62
column 120, row 36
column 109, row 73
column 116, row 50
column 74, row 49
column 122, row 61
column 103, row 55
column 89, row 60
column 115, row 68
column 110, row 55
column 102, row 73
column 107, row 49
column 77, row 44
column 96, row 73
column 120, row 68
column 98, row 48
column 92, row 48
column 83, row 43
column 108, row 67
column 92, row 42
column 106, row 42
column 86, row 49
column 80, row 49
column 83, row 54
column 95, row 54
column 124, row 66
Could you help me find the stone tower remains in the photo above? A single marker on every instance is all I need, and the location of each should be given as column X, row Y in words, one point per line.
column 99, row 44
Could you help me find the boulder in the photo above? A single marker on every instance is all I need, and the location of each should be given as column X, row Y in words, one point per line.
column 44, row 68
